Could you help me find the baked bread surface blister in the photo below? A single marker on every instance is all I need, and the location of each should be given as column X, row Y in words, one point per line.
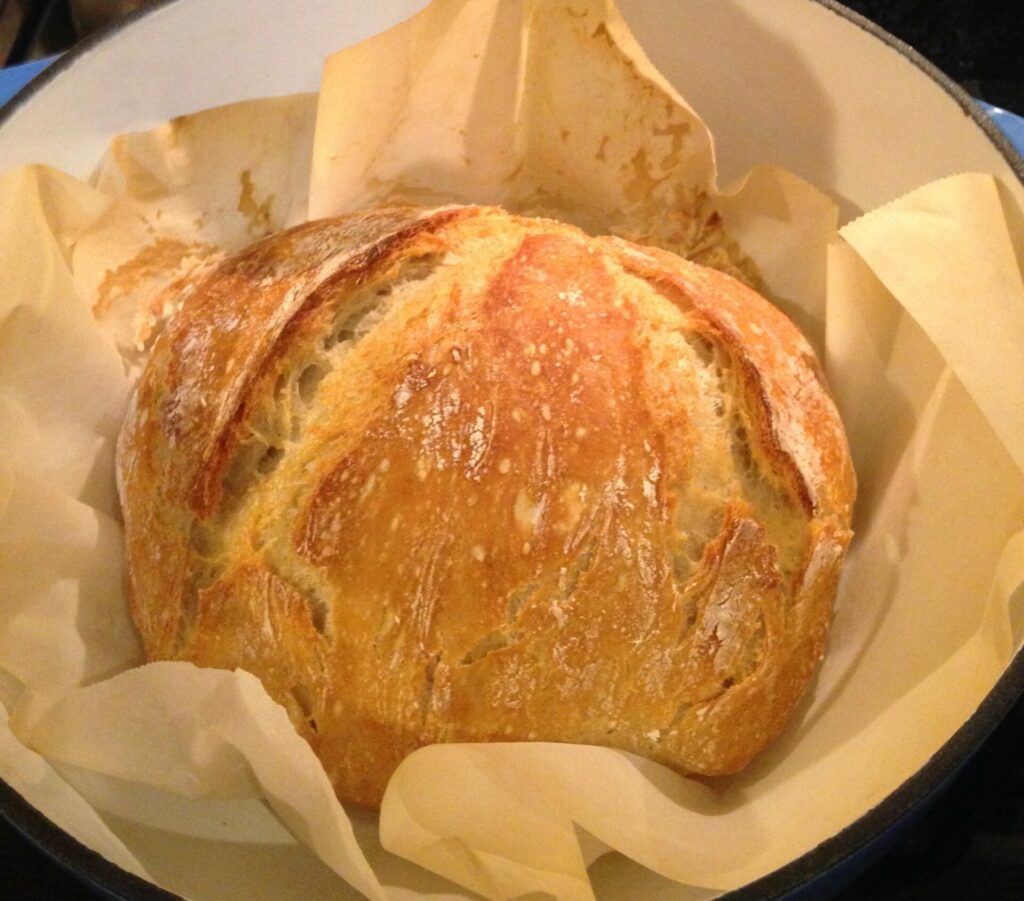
column 453, row 475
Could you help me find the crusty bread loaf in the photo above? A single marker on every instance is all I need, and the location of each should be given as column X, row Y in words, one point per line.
column 454, row 475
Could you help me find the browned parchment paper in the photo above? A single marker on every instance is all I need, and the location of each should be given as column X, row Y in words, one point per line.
column 181, row 196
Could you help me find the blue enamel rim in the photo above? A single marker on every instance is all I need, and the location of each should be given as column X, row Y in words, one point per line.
column 820, row 872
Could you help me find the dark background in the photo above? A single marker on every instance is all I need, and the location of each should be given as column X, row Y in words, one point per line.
column 970, row 843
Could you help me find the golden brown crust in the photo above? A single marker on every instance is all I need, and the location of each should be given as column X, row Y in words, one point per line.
column 455, row 475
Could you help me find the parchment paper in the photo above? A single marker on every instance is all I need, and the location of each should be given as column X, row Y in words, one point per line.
column 182, row 196
column 195, row 778
column 560, row 113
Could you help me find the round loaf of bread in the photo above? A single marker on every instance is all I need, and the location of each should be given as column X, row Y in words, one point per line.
column 454, row 475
